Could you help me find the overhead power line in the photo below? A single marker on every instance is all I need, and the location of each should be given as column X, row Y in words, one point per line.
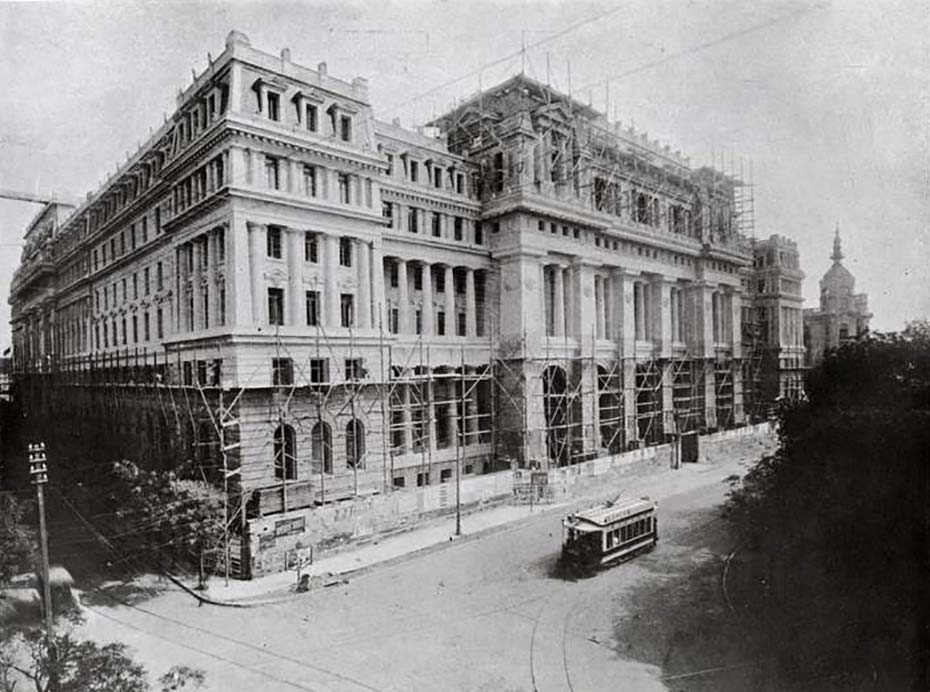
column 700, row 47
column 508, row 56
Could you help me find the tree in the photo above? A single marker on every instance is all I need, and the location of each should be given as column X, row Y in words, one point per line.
column 161, row 518
column 17, row 542
column 837, row 517
column 81, row 665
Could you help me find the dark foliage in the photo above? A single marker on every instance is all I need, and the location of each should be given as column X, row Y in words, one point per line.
column 159, row 519
column 17, row 541
column 839, row 513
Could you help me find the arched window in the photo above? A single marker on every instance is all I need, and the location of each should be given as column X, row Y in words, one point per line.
column 321, row 448
column 556, row 405
column 355, row 444
column 285, row 453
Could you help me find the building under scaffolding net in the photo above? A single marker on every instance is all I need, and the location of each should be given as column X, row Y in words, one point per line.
column 349, row 309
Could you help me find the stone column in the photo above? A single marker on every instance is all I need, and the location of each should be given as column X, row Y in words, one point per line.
column 427, row 270
column 450, row 302
column 626, row 332
column 664, row 319
column 257, row 243
column 195, row 287
column 403, row 300
column 558, row 301
column 331, row 289
column 295, row 299
column 377, row 287
column 258, row 161
column 471, row 312
column 364, row 284
column 736, row 324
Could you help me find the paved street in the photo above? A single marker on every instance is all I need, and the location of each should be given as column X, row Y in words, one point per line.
column 487, row 614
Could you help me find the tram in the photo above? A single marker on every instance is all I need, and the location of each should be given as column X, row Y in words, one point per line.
column 609, row 532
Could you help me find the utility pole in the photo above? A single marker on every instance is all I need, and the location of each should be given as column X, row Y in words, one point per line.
column 39, row 473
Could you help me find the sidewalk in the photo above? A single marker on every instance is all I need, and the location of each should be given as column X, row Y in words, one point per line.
column 337, row 567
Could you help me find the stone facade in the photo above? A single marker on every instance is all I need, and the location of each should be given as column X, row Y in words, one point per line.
column 842, row 315
column 315, row 305
column 772, row 324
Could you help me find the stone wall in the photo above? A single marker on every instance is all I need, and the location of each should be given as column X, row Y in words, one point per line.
column 279, row 541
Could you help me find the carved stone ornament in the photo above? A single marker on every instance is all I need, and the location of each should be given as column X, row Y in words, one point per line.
column 511, row 281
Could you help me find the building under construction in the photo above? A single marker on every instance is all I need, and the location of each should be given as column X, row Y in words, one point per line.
column 313, row 305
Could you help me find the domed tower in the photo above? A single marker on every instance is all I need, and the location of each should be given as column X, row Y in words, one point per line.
column 842, row 315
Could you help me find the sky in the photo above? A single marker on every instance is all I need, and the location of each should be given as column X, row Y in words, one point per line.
column 827, row 100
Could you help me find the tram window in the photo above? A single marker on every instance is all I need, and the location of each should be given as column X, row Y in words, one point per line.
column 625, row 533
column 610, row 540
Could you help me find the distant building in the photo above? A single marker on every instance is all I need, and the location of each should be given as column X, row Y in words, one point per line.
column 842, row 315
column 773, row 323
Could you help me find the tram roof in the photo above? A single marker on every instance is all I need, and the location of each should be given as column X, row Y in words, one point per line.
column 608, row 513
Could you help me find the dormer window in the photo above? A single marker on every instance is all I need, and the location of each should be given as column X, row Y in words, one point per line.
column 345, row 128
column 274, row 106
column 312, row 116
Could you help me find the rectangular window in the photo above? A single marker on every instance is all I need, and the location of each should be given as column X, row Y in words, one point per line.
column 276, row 306
column 441, row 323
column 312, row 117
column 394, row 272
column 146, row 331
column 460, row 324
column 122, row 242
column 310, row 181
column 354, row 369
column 135, row 329
column 418, row 278
column 414, row 171
column 479, row 234
column 318, row 370
column 145, row 229
column 457, row 227
column 159, row 277
column 460, row 183
column 311, row 247
column 282, row 371
column 123, row 284
column 394, row 322
column 387, row 212
column 132, row 236
column 390, row 163
column 418, row 322
column 440, row 282
column 274, row 106
column 345, row 128
column 345, row 252
column 123, row 324
column 313, row 308
column 343, row 183
column 135, row 286
column 412, row 220
column 273, row 242
column 347, row 309
column 160, row 323
column 437, row 224
column 95, row 259
column 437, row 177
column 272, row 173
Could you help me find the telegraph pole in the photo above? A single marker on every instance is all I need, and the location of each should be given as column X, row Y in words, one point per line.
column 39, row 473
